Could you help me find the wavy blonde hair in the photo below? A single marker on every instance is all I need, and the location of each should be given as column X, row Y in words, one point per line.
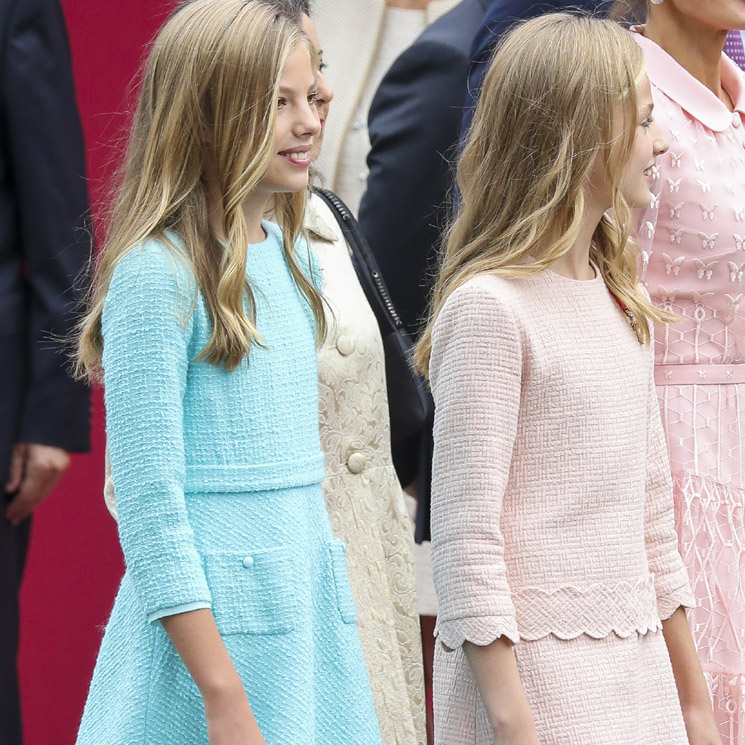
column 546, row 113
column 211, row 81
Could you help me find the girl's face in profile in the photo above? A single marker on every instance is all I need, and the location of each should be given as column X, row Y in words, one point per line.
column 325, row 91
column 297, row 124
column 649, row 142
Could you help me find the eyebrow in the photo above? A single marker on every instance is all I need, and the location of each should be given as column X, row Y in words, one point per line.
column 285, row 91
column 647, row 110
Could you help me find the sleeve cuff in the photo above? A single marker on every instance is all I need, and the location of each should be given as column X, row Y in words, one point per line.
column 676, row 593
column 477, row 630
column 183, row 608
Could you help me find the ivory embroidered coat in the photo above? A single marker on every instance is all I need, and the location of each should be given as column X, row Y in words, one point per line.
column 364, row 499
column 552, row 517
column 218, row 483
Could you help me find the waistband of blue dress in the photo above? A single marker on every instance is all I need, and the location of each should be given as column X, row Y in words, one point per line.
column 287, row 474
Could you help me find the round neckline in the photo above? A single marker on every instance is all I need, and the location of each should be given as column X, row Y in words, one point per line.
column 579, row 281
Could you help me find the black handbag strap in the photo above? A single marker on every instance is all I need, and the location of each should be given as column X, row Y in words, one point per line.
column 364, row 263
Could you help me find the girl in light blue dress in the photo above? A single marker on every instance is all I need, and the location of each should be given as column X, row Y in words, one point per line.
column 234, row 623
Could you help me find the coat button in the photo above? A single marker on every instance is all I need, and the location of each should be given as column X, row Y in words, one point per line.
column 357, row 126
column 345, row 345
column 356, row 462
column 248, row 562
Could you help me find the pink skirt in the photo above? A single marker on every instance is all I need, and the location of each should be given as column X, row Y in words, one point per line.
column 582, row 691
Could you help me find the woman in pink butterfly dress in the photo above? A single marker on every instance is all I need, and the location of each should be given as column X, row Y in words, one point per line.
column 693, row 244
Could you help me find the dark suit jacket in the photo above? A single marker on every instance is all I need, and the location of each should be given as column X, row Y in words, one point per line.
column 413, row 123
column 44, row 240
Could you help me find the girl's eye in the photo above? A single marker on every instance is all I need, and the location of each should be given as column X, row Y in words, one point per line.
column 647, row 123
column 281, row 103
column 313, row 98
column 322, row 66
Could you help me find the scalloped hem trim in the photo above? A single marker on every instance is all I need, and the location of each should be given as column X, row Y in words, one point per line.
column 481, row 631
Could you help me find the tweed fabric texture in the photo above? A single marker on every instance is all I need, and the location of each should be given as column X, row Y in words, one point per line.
column 692, row 238
column 363, row 497
column 552, row 507
column 218, row 483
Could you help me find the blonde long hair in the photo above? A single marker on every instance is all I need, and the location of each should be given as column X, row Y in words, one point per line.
column 211, row 80
column 546, row 113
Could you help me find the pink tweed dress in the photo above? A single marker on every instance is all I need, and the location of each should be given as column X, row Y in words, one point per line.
column 693, row 242
column 552, row 513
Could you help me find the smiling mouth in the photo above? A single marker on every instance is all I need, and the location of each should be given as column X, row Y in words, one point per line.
column 299, row 157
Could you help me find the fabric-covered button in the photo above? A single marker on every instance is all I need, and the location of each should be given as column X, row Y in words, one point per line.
column 356, row 462
column 362, row 175
column 357, row 126
column 736, row 120
column 345, row 345
column 248, row 562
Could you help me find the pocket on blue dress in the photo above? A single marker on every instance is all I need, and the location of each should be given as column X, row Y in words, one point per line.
column 253, row 592
column 344, row 599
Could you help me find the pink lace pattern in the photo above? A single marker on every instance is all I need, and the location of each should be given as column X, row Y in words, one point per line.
column 692, row 239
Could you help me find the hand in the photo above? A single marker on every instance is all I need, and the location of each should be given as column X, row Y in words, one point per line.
column 230, row 720
column 701, row 726
column 34, row 471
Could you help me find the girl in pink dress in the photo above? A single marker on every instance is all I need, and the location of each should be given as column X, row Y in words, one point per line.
column 553, row 542
column 693, row 242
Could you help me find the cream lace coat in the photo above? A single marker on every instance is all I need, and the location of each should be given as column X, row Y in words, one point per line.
column 363, row 496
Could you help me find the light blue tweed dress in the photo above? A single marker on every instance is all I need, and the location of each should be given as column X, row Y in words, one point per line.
column 218, row 484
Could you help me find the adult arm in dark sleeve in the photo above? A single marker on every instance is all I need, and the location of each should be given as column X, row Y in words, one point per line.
column 413, row 124
column 46, row 158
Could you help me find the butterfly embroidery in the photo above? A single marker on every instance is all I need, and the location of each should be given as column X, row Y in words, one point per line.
column 675, row 209
column 649, row 227
column 707, row 241
column 672, row 265
column 699, row 163
column 705, row 270
column 730, row 188
column 675, row 235
column 655, row 173
column 674, row 185
column 707, row 213
column 739, row 213
column 705, row 186
column 675, row 159
column 735, row 272
column 739, row 242
column 668, row 374
column 667, row 297
column 675, row 134
column 654, row 203
column 734, row 302
column 699, row 297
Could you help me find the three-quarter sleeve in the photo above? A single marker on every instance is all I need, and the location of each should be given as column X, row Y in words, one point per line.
column 147, row 333
column 670, row 577
column 475, row 372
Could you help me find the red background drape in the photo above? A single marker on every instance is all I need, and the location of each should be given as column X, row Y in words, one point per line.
column 74, row 562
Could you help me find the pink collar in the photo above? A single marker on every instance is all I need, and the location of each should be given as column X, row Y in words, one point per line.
column 693, row 96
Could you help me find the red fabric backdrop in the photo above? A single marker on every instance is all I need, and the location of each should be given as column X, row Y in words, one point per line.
column 74, row 563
